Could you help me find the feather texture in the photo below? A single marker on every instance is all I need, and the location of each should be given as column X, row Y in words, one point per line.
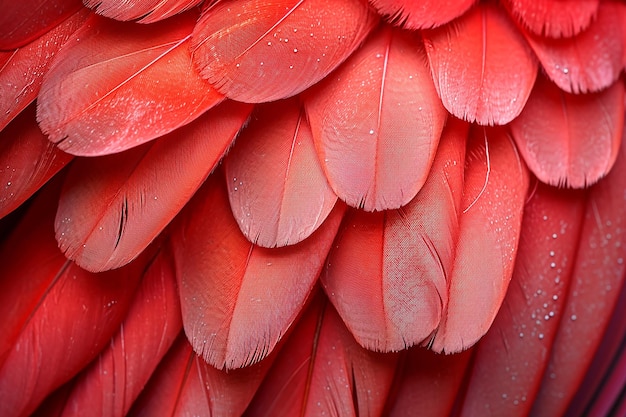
column 278, row 192
column 387, row 273
column 107, row 216
column 145, row 11
column 421, row 14
column 238, row 299
column 376, row 122
column 471, row 62
column 254, row 51
column 137, row 87
column 554, row 18
column 496, row 181
column 569, row 139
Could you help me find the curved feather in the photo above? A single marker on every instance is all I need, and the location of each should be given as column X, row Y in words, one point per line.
column 27, row 161
column 238, row 299
column 254, row 51
column 512, row 357
column 472, row 61
column 277, row 190
column 423, row 14
column 554, row 18
column 376, row 122
column 496, row 181
column 22, row 70
column 137, row 87
column 569, row 139
column 589, row 61
column 112, row 207
column 145, row 11
column 387, row 273
column 321, row 370
column 22, row 22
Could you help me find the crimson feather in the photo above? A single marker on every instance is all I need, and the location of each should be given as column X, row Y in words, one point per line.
column 554, row 18
column 145, row 11
column 422, row 14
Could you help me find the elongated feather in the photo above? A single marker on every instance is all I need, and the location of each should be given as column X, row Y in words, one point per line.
column 594, row 290
column 145, row 11
column 472, row 61
column 112, row 207
column 114, row 380
column 22, row 70
column 277, row 190
column 254, row 51
column 387, row 273
column 422, row 14
column 137, row 86
column 496, row 181
column 376, row 122
column 569, row 139
column 27, row 161
column 238, row 299
column 184, row 384
column 554, row 18
column 512, row 357
column 321, row 370
column 22, row 22
column 589, row 61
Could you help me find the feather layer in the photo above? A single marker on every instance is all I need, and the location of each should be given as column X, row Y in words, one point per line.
column 278, row 192
column 554, row 18
column 254, row 51
column 112, row 207
column 137, row 87
column 423, row 14
column 472, row 61
column 145, row 11
column 238, row 299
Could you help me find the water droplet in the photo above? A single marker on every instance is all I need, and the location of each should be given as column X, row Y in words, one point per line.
column 295, row 50
column 371, row 131
column 574, row 317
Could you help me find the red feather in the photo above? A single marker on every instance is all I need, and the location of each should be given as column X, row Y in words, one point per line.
column 112, row 207
column 321, row 370
column 137, row 87
column 146, row 11
column 239, row 299
column 185, row 385
column 27, row 161
column 377, row 121
column 24, row 21
column 590, row 61
column 255, row 51
column 113, row 381
column 22, row 70
column 472, row 61
column 422, row 14
column 496, row 181
column 512, row 357
column 278, row 192
column 387, row 272
column 569, row 139
column 554, row 18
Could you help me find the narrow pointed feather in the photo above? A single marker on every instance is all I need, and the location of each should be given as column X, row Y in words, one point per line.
column 569, row 139
column 112, row 207
column 254, row 51
column 145, row 11
column 321, row 370
column 22, row 70
column 184, row 384
column 137, row 86
column 239, row 299
column 554, row 18
column 512, row 357
column 27, row 161
column 114, row 380
column 22, row 22
column 472, row 61
column 387, row 273
column 589, row 61
column 277, row 190
column 596, row 280
column 376, row 122
column 423, row 14
column 496, row 181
